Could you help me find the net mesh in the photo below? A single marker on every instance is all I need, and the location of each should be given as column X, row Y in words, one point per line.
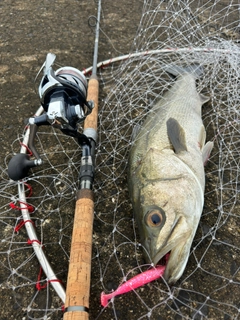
column 170, row 32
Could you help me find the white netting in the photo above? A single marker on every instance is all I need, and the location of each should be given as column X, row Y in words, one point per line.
column 179, row 32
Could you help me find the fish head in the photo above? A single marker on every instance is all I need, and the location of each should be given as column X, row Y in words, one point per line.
column 169, row 227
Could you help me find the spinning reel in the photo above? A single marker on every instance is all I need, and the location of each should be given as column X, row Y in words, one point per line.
column 63, row 97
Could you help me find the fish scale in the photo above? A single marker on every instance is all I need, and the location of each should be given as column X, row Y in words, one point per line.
column 178, row 107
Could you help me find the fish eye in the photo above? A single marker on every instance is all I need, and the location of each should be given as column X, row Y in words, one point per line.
column 155, row 217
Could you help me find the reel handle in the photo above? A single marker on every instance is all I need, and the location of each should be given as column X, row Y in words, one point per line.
column 19, row 166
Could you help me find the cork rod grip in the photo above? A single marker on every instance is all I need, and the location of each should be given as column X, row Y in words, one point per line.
column 79, row 273
column 93, row 90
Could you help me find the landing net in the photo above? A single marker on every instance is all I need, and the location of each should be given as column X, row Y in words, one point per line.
column 170, row 32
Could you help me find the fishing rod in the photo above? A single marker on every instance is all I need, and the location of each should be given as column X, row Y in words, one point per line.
column 64, row 105
column 79, row 273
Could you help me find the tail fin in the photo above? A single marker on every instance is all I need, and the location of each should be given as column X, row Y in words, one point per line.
column 195, row 69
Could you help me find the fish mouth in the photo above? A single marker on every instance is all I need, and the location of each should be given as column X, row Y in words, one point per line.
column 162, row 258
column 166, row 260
column 174, row 252
column 169, row 243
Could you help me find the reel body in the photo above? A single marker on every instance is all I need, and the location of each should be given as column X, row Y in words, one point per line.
column 63, row 97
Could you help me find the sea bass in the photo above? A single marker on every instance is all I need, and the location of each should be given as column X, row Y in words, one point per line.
column 166, row 175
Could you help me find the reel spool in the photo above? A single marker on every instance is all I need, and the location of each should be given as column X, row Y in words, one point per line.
column 63, row 97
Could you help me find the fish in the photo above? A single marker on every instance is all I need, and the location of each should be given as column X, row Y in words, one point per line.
column 166, row 177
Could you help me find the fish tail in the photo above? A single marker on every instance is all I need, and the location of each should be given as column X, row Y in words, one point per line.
column 195, row 69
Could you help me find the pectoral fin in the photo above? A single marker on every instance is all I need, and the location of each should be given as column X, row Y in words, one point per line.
column 202, row 137
column 207, row 151
column 204, row 98
column 176, row 135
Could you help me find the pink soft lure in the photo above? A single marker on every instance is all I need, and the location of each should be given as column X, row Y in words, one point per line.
column 135, row 282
